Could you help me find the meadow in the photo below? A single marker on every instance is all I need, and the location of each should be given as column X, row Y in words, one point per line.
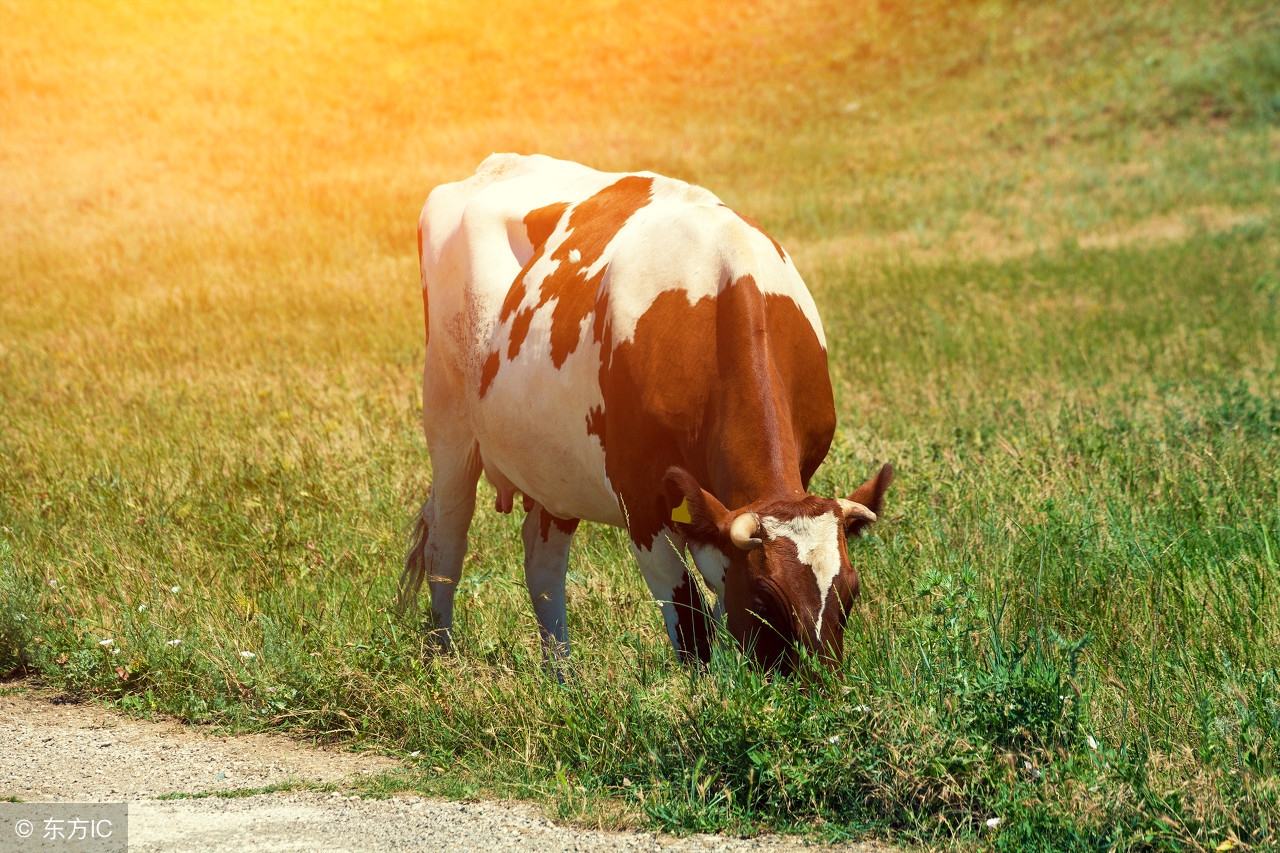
column 1045, row 243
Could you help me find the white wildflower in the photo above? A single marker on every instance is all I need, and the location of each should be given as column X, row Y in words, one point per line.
column 1093, row 744
column 833, row 739
column 993, row 822
column 53, row 584
column 141, row 607
column 861, row 709
column 415, row 753
column 108, row 641
column 175, row 589
column 176, row 641
column 248, row 655
column 115, row 651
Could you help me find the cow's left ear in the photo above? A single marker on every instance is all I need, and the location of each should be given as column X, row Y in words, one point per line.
column 700, row 517
column 870, row 495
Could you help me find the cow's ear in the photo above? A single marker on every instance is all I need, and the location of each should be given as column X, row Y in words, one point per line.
column 870, row 495
column 697, row 513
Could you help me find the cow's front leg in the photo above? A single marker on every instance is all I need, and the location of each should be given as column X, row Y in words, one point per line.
column 546, row 561
column 683, row 608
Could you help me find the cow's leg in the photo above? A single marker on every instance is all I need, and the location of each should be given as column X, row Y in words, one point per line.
column 440, row 536
column 440, row 541
column 683, row 608
column 546, row 560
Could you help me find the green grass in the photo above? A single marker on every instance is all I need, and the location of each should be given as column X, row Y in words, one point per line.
column 1044, row 244
column 239, row 793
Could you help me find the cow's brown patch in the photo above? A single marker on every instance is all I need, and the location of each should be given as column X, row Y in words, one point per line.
column 595, row 424
column 600, row 328
column 656, row 390
column 489, row 371
column 541, row 223
column 546, row 520
column 802, row 378
column 519, row 331
column 602, row 334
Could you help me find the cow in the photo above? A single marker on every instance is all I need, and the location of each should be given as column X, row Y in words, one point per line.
column 626, row 349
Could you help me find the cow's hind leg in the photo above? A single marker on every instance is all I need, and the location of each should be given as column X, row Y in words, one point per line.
column 439, row 541
column 683, row 608
column 546, row 561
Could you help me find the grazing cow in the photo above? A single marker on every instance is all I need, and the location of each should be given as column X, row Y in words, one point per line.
column 624, row 348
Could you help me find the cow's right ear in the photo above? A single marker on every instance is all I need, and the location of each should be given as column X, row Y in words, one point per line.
column 870, row 495
column 697, row 513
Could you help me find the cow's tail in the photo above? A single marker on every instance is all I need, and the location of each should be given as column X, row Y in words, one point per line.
column 415, row 563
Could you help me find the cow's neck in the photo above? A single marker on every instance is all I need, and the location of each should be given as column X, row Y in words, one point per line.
column 754, row 453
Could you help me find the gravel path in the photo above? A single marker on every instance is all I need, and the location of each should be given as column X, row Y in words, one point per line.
column 52, row 750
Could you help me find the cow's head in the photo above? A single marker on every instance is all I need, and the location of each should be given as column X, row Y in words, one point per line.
column 788, row 581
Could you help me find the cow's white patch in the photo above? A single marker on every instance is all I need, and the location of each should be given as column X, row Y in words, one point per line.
column 662, row 566
column 574, row 256
column 712, row 564
column 817, row 546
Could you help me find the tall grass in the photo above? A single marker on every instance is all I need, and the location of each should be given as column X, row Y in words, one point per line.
column 1044, row 246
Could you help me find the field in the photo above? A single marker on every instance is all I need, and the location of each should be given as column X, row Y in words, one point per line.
column 1045, row 242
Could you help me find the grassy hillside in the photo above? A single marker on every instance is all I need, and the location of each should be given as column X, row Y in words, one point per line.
column 1044, row 241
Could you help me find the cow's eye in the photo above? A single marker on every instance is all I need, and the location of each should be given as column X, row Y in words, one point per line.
column 766, row 603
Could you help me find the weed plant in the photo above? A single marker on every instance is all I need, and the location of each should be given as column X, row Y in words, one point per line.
column 1043, row 239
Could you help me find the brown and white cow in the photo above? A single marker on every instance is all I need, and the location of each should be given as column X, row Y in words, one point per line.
column 624, row 348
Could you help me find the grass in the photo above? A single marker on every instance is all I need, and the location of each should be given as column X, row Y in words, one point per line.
column 239, row 793
column 1044, row 242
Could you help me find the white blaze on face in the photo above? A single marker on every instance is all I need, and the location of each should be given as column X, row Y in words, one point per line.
column 817, row 546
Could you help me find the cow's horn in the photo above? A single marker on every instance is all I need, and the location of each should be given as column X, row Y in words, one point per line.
column 743, row 531
column 854, row 511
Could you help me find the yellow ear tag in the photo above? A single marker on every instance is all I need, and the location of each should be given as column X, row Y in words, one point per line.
column 681, row 513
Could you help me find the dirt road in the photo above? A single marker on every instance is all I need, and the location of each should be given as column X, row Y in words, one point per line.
column 57, row 751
